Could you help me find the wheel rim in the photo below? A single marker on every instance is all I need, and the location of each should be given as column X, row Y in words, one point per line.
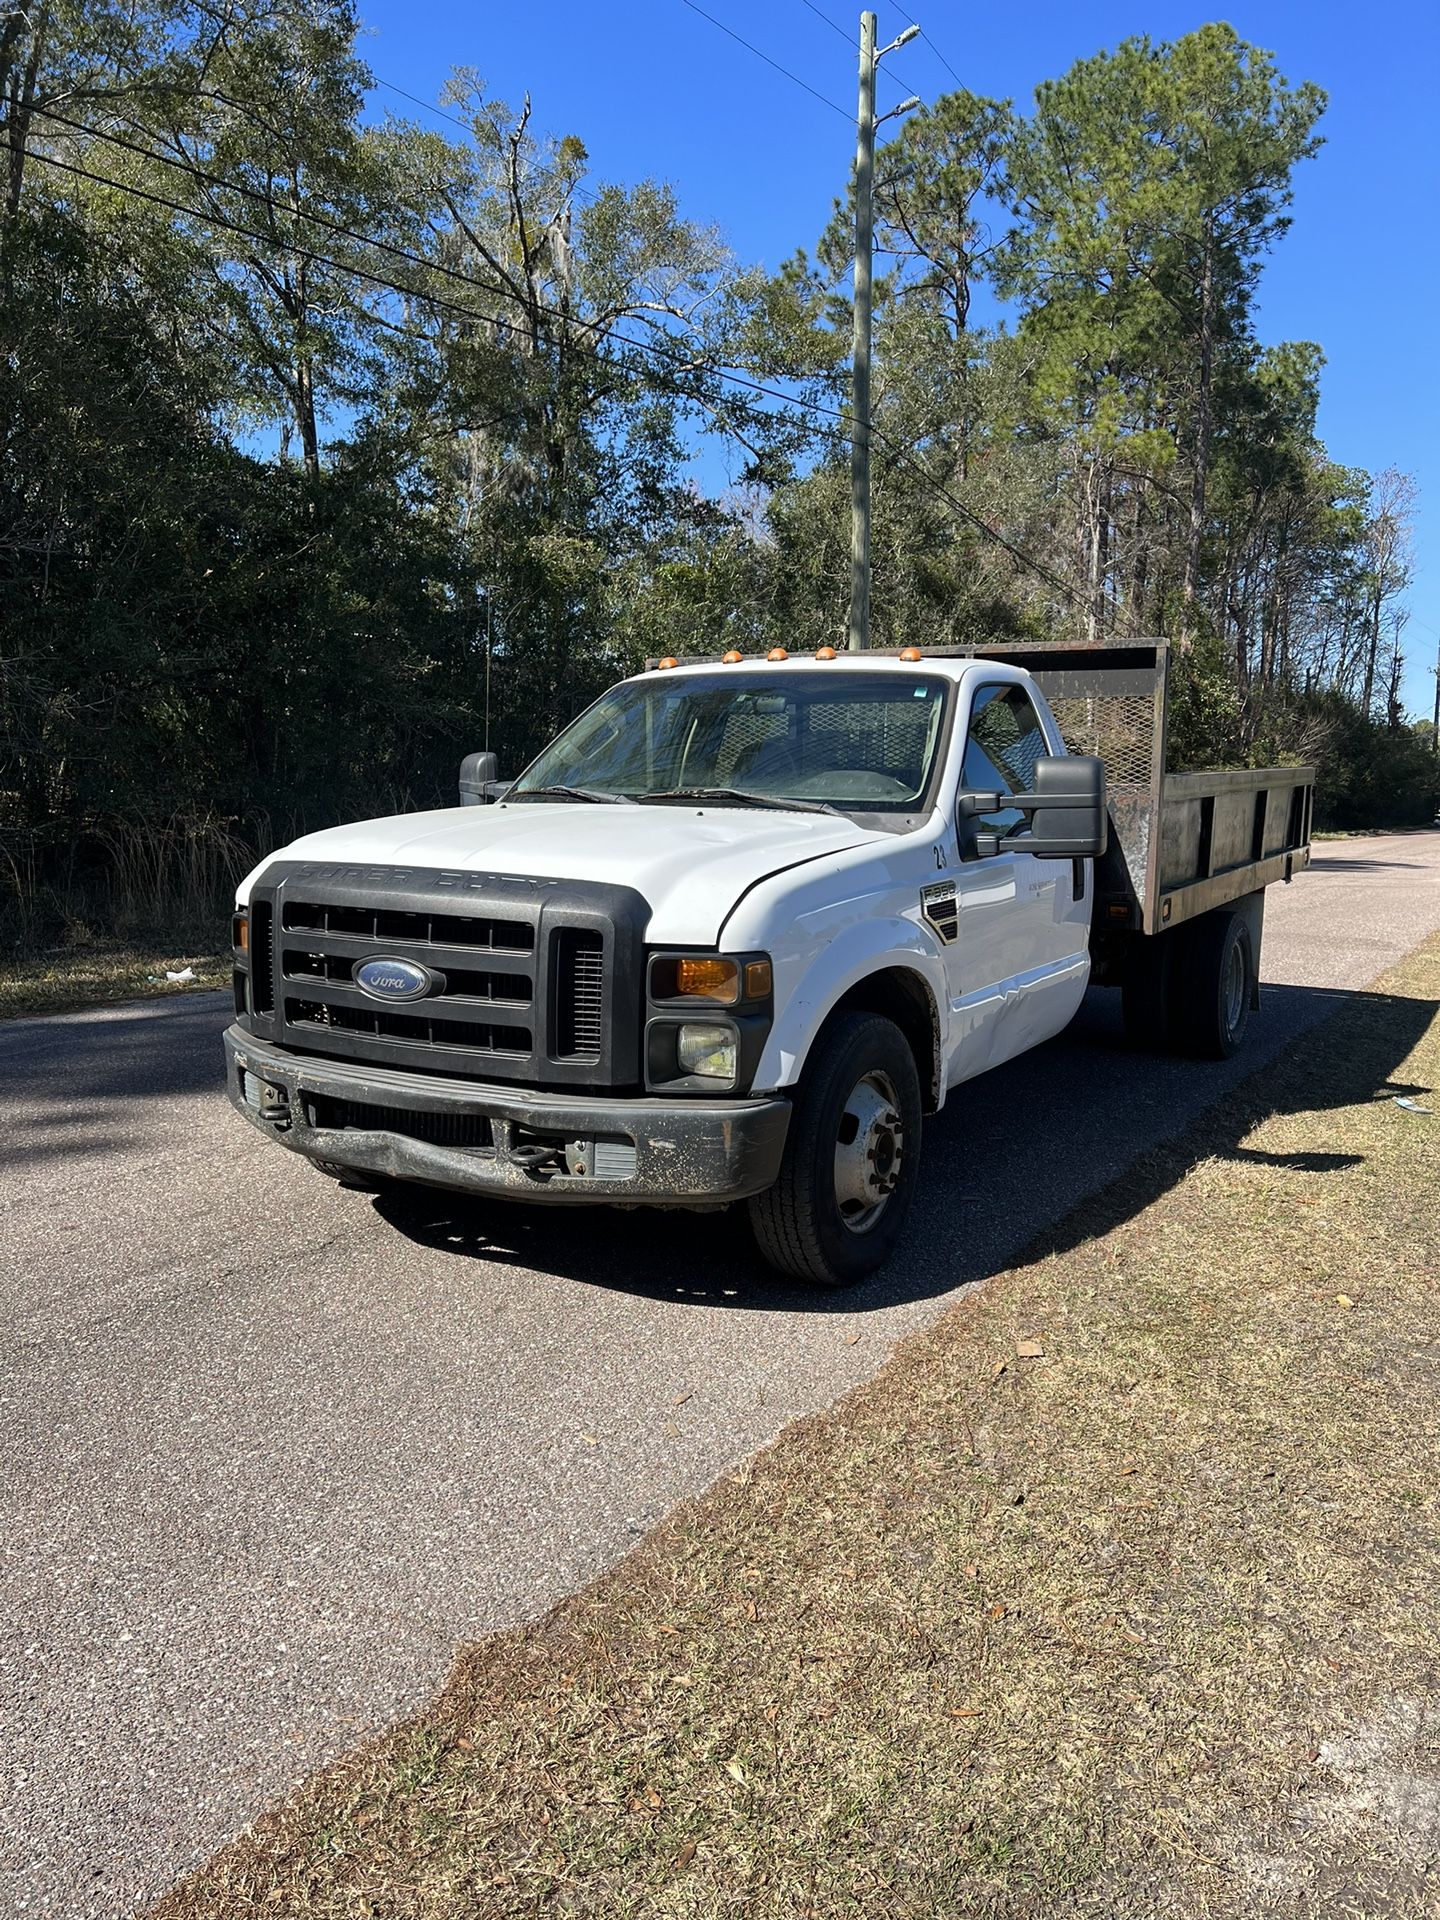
column 869, row 1151
column 1236, row 986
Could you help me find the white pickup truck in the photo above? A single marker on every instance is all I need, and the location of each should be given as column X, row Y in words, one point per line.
column 743, row 925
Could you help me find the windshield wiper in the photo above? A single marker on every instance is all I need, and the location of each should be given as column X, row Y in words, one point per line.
column 735, row 797
column 597, row 794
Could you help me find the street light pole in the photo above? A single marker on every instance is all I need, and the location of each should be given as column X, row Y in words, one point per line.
column 866, row 123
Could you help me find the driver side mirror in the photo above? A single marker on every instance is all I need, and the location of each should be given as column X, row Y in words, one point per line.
column 1067, row 808
column 480, row 781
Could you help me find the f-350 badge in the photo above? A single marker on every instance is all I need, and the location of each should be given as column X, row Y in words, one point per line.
column 941, row 908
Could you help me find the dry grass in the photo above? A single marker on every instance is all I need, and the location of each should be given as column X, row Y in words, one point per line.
column 1146, row 1625
column 96, row 971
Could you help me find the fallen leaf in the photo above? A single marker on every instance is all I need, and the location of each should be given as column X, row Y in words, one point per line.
column 1000, row 1366
column 589, row 1439
column 681, row 1398
column 1344, row 1300
column 667, row 1629
column 735, row 1771
column 1128, row 1470
column 1028, row 1350
column 686, row 1854
column 851, row 1339
column 971, row 1571
column 966, row 1713
column 997, row 1612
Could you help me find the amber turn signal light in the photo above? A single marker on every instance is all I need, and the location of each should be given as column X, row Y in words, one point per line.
column 758, row 979
column 708, row 979
column 240, row 932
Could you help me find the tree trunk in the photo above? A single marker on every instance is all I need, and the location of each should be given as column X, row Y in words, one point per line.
column 1372, row 651
column 20, row 109
column 1200, row 466
column 305, row 417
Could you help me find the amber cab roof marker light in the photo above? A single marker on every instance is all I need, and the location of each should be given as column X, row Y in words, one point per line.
column 911, row 653
column 777, row 653
column 668, row 661
column 731, row 659
column 825, row 653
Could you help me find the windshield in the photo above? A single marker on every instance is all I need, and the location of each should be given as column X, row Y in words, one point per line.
column 850, row 741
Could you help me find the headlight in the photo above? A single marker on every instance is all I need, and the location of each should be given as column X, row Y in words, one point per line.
column 707, row 1016
column 709, row 1051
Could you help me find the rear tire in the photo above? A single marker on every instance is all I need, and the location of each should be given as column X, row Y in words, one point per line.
column 1213, row 987
column 852, row 1156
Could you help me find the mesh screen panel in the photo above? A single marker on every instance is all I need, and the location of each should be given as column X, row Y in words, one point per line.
column 886, row 736
column 1121, row 729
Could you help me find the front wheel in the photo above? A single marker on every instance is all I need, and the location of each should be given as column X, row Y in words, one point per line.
column 851, row 1159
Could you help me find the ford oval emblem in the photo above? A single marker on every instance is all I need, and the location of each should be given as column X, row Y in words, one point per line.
column 393, row 979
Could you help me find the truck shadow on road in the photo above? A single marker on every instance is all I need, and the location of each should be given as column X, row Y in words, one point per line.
column 1011, row 1158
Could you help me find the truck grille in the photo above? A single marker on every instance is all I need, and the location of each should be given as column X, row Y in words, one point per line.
column 531, row 981
column 409, row 1029
column 579, row 994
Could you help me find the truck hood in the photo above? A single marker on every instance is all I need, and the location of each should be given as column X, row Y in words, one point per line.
column 690, row 863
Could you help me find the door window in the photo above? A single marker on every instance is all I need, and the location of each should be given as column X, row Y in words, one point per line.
column 1005, row 740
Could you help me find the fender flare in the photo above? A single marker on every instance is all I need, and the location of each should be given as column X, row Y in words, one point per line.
column 837, row 974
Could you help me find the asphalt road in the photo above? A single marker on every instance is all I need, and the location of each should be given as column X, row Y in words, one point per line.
column 271, row 1449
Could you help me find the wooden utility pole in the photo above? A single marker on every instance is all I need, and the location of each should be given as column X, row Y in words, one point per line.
column 860, row 352
column 865, row 125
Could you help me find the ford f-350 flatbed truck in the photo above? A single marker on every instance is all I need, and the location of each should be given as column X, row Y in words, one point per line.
column 747, row 921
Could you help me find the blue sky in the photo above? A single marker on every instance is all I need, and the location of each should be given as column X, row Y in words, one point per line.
column 655, row 90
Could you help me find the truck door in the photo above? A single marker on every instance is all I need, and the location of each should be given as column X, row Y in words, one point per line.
column 1018, row 967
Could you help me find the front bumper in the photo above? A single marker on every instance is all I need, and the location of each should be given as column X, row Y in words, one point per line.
column 548, row 1147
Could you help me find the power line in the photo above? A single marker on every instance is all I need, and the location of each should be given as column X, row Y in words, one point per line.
column 887, row 73
column 929, row 37
column 441, row 114
column 833, row 24
column 791, row 403
column 416, row 101
column 749, row 47
column 685, row 364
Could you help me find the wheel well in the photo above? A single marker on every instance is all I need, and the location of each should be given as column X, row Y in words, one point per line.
column 901, row 995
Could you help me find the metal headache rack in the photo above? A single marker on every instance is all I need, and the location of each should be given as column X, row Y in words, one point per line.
column 1180, row 843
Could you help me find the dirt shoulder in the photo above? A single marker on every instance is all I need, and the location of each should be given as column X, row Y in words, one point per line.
column 67, row 978
column 1117, row 1592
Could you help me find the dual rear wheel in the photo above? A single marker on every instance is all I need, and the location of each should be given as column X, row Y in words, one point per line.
column 1191, row 991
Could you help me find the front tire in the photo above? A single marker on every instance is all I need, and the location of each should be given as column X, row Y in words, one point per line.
column 354, row 1178
column 852, row 1157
